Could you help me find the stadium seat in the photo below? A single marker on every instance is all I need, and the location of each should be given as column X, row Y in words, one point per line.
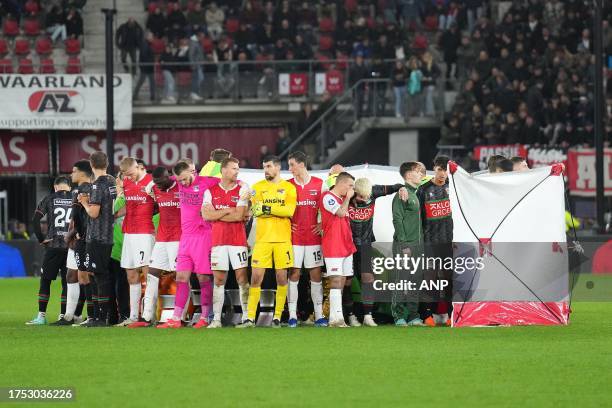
column 326, row 43
column 151, row 7
column 22, row 47
column 31, row 7
column 232, row 25
column 25, row 66
column 72, row 46
column 3, row 47
column 326, row 25
column 431, row 23
column 158, row 46
column 323, row 61
column 10, row 28
column 31, row 27
column 43, row 46
column 350, row 6
column 6, row 66
column 207, row 44
column 47, row 66
column 74, row 65
column 342, row 63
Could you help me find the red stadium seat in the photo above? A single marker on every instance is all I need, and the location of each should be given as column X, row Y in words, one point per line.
column 342, row 63
column 232, row 25
column 31, row 7
column 151, row 7
column 10, row 28
column 326, row 25
column 350, row 6
column 207, row 44
column 47, row 66
column 26, row 66
column 170, row 7
column 22, row 47
column 420, row 42
column 74, row 65
column 72, row 46
column 323, row 60
column 3, row 47
column 431, row 23
column 158, row 46
column 6, row 66
column 31, row 27
column 326, row 43
column 43, row 46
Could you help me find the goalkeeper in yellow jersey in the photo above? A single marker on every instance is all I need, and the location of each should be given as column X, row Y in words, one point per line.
column 273, row 203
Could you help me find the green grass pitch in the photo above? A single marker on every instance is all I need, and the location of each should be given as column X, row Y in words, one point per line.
column 382, row 367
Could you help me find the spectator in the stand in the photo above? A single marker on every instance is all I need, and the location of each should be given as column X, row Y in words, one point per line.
column 466, row 56
column 450, row 133
column 585, row 45
column 77, row 4
column 511, row 130
column 196, row 58
column 264, row 151
column 415, row 78
column 129, row 39
column 268, row 13
column 377, row 100
column 383, row 49
column 284, row 12
column 146, row 60
column 56, row 24
column 176, row 23
column 345, row 38
column 431, row 72
column 168, row 60
column 265, row 37
column 280, row 50
column 399, row 77
column 196, row 20
column 449, row 43
column 156, row 23
column 301, row 50
column 285, row 32
column 283, row 141
column 250, row 16
column 411, row 13
column 358, row 71
column 214, row 20
column 74, row 23
column 474, row 9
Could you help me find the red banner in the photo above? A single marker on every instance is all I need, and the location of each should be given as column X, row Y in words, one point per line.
column 164, row 147
column 22, row 152
column 482, row 153
column 581, row 172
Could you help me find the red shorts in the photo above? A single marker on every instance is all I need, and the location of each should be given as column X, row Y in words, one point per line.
column 194, row 254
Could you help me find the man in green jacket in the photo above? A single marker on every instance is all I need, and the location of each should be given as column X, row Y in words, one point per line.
column 408, row 240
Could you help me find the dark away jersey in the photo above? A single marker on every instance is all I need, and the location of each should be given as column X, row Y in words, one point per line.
column 435, row 213
column 79, row 215
column 103, row 193
column 58, row 209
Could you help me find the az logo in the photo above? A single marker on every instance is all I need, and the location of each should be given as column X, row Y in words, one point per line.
column 43, row 102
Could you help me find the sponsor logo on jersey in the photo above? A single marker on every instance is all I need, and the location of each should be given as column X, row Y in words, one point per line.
column 311, row 203
column 169, row 204
column 281, row 191
column 136, row 198
column 331, row 201
column 196, row 188
column 273, row 201
column 361, row 214
column 314, row 192
column 235, row 199
column 437, row 209
column 62, row 202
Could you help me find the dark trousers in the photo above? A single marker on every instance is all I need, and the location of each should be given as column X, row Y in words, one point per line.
column 120, row 293
column 132, row 53
column 141, row 78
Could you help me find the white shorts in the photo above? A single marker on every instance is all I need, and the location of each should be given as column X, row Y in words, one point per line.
column 164, row 256
column 136, row 251
column 71, row 261
column 339, row 266
column 309, row 256
column 222, row 255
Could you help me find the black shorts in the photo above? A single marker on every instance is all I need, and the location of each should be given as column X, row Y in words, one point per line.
column 98, row 257
column 362, row 260
column 80, row 254
column 54, row 262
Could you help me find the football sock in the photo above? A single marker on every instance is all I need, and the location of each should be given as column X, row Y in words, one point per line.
column 94, row 297
column 72, row 298
column 180, row 299
column 43, row 294
column 89, row 299
column 335, row 304
column 206, row 289
column 103, row 283
column 80, row 302
column 292, row 299
column 347, row 300
column 366, row 297
column 135, row 293
column 218, row 298
column 244, row 299
column 254, row 295
column 150, row 297
column 63, row 297
column 281, row 297
column 316, row 292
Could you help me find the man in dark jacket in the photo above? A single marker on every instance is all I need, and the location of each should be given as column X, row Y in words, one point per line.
column 128, row 39
column 146, row 67
column 358, row 72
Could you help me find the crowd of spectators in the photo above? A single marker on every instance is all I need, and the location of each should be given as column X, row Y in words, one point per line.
column 32, row 29
column 527, row 79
